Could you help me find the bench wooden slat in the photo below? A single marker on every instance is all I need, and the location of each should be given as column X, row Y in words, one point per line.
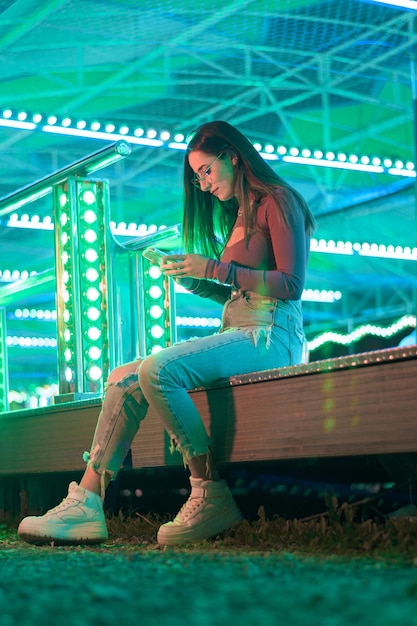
column 367, row 405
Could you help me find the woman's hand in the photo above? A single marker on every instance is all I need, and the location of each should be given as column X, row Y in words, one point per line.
column 181, row 265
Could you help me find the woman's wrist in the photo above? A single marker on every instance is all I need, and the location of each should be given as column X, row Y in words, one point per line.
column 187, row 282
column 211, row 269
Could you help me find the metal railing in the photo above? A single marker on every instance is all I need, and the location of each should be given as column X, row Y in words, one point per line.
column 119, row 331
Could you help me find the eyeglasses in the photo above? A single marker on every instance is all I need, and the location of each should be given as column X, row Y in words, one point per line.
column 196, row 180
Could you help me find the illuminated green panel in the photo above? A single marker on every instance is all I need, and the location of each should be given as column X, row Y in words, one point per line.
column 157, row 329
column 81, row 241
column 4, row 379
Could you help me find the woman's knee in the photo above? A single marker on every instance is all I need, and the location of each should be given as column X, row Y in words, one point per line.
column 148, row 370
column 123, row 371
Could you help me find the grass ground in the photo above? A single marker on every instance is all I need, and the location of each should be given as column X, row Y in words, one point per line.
column 326, row 571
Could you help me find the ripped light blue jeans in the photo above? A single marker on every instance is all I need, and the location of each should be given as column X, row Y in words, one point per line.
column 258, row 333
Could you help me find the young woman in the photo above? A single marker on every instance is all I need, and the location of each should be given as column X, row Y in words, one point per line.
column 246, row 233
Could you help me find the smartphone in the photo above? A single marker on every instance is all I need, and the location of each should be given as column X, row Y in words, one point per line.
column 154, row 255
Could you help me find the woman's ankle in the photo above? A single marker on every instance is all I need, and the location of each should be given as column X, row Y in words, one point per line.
column 91, row 481
column 202, row 467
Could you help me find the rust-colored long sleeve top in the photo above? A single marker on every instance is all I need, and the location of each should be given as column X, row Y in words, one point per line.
column 272, row 261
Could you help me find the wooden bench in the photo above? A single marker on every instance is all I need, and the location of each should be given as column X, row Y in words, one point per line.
column 364, row 404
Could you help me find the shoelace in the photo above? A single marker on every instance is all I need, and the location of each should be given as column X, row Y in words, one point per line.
column 189, row 507
column 68, row 500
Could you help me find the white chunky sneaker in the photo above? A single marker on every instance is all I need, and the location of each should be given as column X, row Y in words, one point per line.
column 209, row 511
column 78, row 519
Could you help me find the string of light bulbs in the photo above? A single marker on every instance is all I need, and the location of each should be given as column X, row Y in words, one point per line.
column 406, row 321
column 110, row 131
column 346, row 248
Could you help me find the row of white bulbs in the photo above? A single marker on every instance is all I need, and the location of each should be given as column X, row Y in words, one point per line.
column 121, row 228
column 407, row 321
column 151, row 137
column 13, row 341
column 316, row 245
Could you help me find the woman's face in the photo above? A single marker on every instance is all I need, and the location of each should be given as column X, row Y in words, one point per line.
column 216, row 175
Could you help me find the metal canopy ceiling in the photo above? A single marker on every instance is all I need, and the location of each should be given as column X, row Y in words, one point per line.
column 330, row 75
column 334, row 75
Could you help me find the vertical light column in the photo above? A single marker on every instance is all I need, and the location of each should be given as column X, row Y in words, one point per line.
column 157, row 313
column 413, row 73
column 82, row 237
column 4, row 376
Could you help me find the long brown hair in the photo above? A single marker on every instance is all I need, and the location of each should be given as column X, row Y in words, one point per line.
column 207, row 221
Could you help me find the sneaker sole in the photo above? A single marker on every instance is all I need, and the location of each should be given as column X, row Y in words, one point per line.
column 172, row 535
column 41, row 541
column 90, row 534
